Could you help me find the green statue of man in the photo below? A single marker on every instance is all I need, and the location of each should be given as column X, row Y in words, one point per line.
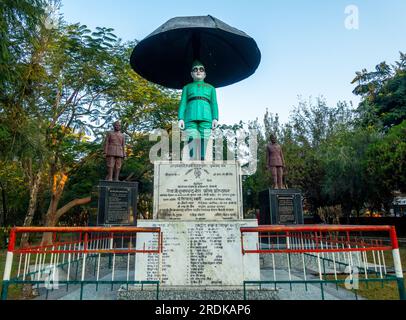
column 198, row 110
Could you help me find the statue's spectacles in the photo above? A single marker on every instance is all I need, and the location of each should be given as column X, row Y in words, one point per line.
column 201, row 69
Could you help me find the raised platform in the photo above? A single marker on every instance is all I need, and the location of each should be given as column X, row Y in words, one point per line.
column 117, row 203
column 281, row 207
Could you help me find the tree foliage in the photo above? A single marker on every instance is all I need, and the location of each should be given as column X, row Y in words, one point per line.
column 71, row 85
column 383, row 93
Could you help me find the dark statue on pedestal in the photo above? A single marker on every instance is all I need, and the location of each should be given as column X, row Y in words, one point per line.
column 275, row 162
column 279, row 205
column 116, row 200
column 114, row 152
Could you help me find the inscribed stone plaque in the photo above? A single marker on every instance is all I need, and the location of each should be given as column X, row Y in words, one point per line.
column 286, row 210
column 117, row 203
column 206, row 253
column 281, row 206
column 197, row 190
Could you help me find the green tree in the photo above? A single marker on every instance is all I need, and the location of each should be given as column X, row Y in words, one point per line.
column 311, row 125
column 386, row 166
column 19, row 21
column 20, row 50
column 383, row 93
column 344, row 159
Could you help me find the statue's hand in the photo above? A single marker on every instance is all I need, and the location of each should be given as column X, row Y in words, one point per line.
column 181, row 124
column 214, row 124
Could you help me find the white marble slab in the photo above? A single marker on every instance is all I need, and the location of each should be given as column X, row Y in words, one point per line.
column 198, row 253
column 198, row 190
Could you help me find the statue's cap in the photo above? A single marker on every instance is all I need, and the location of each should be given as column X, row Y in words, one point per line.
column 197, row 63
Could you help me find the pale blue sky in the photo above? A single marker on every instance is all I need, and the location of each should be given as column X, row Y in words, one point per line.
column 306, row 48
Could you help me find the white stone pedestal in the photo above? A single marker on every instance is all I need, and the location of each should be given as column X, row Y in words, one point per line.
column 198, row 254
column 198, row 206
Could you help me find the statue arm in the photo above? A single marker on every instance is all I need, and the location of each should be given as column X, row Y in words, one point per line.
column 124, row 147
column 183, row 104
column 106, row 143
column 267, row 156
column 283, row 159
column 214, row 106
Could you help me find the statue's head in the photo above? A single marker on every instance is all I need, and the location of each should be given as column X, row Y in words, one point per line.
column 198, row 72
column 117, row 126
column 272, row 137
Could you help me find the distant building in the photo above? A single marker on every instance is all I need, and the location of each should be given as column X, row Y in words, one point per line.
column 399, row 205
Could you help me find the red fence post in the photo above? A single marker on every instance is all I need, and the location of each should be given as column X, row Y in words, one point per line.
column 9, row 262
column 397, row 263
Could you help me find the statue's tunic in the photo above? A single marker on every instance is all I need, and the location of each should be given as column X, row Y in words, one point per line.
column 198, row 103
column 275, row 156
column 114, row 145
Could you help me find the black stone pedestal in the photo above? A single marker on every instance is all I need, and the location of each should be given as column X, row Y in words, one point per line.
column 280, row 207
column 117, row 203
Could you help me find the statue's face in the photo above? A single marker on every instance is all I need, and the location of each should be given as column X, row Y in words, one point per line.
column 117, row 126
column 198, row 73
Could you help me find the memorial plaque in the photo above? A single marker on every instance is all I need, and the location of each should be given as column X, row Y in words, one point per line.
column 117, row 203
column 281, row 206
column 286, row 210
column 195, row 253
column 197, row 190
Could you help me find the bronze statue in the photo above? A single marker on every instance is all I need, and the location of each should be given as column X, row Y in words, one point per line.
column 275, row 162
column 114, row 151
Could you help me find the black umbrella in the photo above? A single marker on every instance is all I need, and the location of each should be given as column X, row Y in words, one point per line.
column 165, row 57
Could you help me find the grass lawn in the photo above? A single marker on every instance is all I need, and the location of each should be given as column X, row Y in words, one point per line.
column 14, row 291
column 376, row 290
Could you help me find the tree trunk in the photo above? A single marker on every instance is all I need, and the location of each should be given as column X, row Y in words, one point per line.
column 54, row 216
column 32, row 206
column 70, row 205
column 51, row 219
column 58, row 184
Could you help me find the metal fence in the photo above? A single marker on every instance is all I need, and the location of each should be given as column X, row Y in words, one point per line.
column 322, row 256
column 77, row 258
column 83, row 259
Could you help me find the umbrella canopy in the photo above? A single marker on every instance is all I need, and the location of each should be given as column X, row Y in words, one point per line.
column 165, row 57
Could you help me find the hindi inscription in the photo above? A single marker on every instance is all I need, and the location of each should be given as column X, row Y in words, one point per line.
column 198, row 253
column 197, row 191
column 117, row 203
column 118, row 206
column 286, row 210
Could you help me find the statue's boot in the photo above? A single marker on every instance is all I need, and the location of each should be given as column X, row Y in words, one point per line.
column 116, row 174
column 109, row 176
